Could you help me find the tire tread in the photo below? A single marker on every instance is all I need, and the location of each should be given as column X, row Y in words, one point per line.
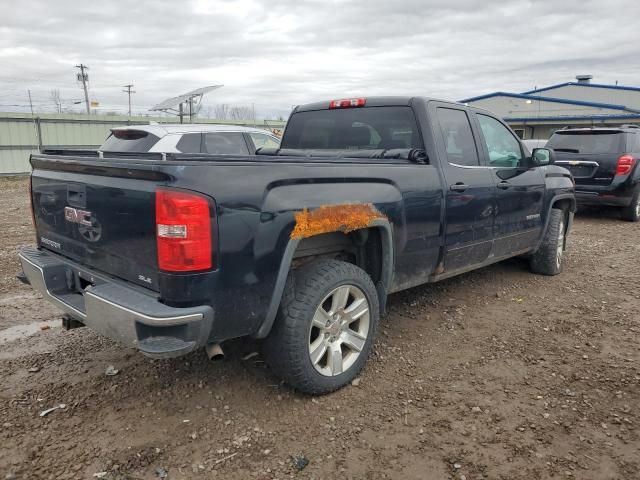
column 543, row 261
column 630, row 213
column 283, row 347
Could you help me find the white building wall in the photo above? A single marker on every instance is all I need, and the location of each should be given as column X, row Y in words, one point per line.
column 518, row 107
column 629, row 98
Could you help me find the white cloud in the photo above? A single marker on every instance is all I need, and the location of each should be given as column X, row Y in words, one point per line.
column 279, row 53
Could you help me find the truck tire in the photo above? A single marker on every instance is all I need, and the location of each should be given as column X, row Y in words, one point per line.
column 632, row 212
column 325, row 326
column 547, row 260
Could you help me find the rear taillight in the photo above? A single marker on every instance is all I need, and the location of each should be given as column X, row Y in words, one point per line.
column 183, row 223
column 348, row 103
column 625, row 164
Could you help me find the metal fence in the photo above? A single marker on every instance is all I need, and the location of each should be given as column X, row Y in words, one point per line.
column 23, row 134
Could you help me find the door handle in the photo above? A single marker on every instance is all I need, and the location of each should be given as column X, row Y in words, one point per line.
column 459, row 187
column 504, row 185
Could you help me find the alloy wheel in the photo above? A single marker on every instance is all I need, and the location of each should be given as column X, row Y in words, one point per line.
column 339, row 330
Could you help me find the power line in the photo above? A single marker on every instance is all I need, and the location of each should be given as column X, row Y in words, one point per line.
column 84, row 78
column 128, row 91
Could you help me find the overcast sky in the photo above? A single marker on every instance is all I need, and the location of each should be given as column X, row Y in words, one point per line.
column 279, row 53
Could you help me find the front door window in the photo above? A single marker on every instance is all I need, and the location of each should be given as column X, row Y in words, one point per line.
column 503, row 147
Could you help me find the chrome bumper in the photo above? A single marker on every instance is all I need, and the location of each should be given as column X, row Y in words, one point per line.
column 118, row 311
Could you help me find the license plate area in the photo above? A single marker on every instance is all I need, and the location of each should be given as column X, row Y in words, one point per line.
column 579, row 168
column 582, row 171
column 68, row 284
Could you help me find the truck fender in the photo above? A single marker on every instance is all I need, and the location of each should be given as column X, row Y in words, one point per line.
column 285, row 266
column 554, row 200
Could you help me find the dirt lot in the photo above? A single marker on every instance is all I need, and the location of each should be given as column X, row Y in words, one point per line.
column 495, row 374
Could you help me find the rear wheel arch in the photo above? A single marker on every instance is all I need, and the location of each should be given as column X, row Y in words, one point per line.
column 369, row 248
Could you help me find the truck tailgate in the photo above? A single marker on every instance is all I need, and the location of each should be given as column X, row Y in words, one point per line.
column 104, row 222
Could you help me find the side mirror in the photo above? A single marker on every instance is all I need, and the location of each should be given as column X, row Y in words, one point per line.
column 543, row 156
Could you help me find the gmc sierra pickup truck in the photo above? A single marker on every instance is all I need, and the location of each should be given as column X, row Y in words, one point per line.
column 299, row 245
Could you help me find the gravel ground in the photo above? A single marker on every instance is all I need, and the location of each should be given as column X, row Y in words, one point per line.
column 496, row 374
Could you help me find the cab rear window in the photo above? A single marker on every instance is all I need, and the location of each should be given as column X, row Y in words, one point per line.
column 590, row 141
column 353, row 129
column 127, row 140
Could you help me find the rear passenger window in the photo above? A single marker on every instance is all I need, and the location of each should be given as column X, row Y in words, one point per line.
column 190, row 143
column 129, row 140
column 229, row 143
column 458, row 138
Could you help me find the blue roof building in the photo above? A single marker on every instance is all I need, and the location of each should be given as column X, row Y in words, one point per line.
column 538, row 113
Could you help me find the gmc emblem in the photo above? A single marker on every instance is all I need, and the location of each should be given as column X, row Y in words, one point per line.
column 75, row 215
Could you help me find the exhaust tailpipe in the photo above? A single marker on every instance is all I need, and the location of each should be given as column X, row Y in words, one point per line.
column 214, row 351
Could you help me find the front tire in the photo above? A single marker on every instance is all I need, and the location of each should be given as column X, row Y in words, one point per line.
column 547, row 260
column 325, row 327
column 632, row 212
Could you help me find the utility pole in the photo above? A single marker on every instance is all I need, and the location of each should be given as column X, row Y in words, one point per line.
column 128, row 91
column 84, row 77
column 30, row 102
column 36, row 123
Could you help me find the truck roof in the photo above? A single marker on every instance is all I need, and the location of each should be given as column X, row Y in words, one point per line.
column 375, row 101
column 162, row 129
column 594, row 130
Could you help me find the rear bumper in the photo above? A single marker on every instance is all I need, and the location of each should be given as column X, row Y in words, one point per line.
column 121, row 312
column 609, row 198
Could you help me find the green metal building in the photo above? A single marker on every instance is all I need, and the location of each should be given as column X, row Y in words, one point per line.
column 23, row 134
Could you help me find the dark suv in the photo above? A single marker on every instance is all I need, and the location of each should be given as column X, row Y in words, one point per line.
column 604, row 164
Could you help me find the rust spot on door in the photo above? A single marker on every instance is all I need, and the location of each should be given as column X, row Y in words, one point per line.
column 334, row 218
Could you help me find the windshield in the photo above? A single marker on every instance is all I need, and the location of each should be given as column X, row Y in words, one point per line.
column 353, row 129
column 591, row 141
column 129, row 141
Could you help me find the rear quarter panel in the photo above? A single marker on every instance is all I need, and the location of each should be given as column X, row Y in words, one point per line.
column 256, row 206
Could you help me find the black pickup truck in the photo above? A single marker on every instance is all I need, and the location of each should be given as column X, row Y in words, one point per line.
column 299, row 245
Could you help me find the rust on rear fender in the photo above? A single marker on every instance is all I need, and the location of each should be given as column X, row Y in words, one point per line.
column 334, row 218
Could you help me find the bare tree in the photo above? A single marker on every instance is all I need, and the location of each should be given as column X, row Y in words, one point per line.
column 240, row 113
column 55, row 97
column 221, row 112
column 225, row 111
